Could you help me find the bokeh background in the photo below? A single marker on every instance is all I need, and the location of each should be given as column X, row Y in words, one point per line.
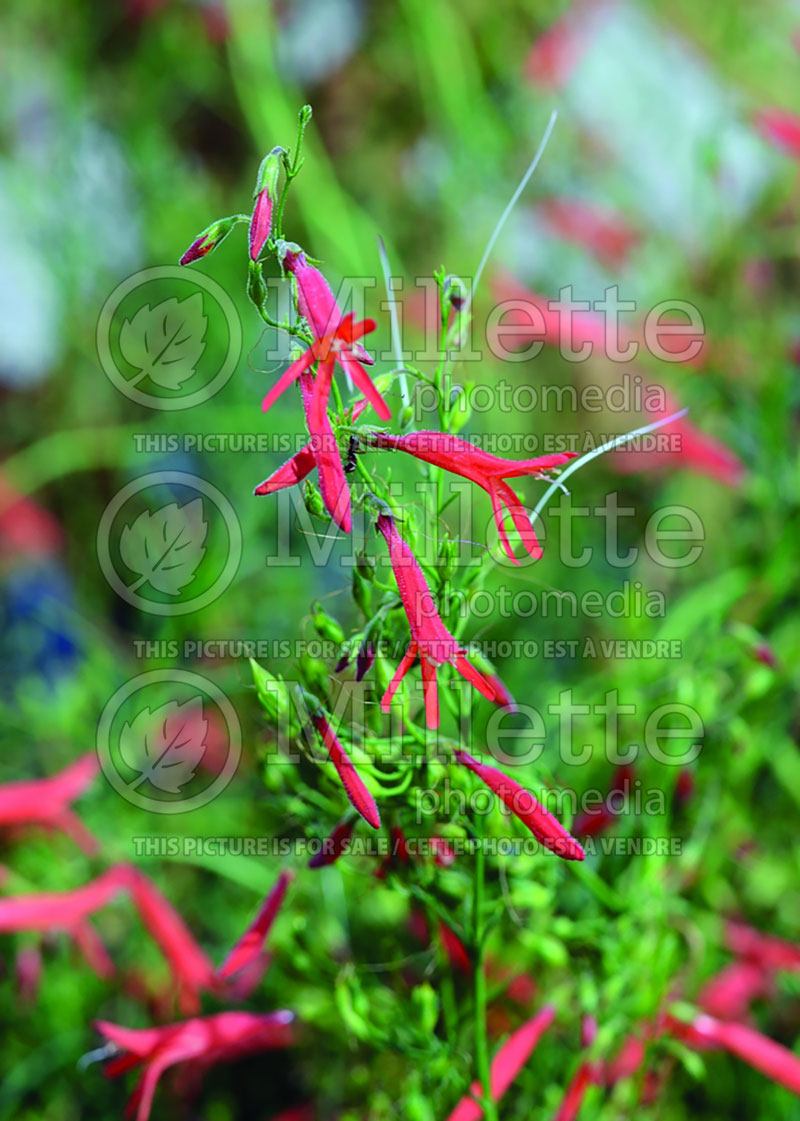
column 124, row 129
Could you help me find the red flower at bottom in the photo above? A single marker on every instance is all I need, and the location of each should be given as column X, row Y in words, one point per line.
column 210, row 1039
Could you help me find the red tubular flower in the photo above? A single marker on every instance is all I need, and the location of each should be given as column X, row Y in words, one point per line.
column 25, row 526
column 589, row 823
column 190, row 966
column 555, row 54
column 547, row 830
column 764, row 950
column 250, row 946
column 61, row 910
column 488, row 471
column 697, row 452
column 629, row 1059
column 338, row 346
column 46, row 801
column 430, row 638
column 356, row 791
column 209, row 1039
column 782, row 128
column 455, row 949
column 335, row 340
column 330, row 472
column 537, row 321
column 444, row 855
column 604, row 234
column 333, row 846
column 321, row 452
column 28, row 973
column 575, row 1092
column 729, row 993
column 92, row 947
column 775, row 1061
column 303, row 463
column 502, row 697
column 506, row 1064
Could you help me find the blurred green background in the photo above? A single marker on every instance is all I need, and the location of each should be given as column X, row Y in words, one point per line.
column 124, row 129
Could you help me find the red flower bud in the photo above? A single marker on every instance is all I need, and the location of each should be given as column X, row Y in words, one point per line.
column 210, row 238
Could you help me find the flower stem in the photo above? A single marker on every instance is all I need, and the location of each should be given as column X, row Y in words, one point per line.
column 481, row 1043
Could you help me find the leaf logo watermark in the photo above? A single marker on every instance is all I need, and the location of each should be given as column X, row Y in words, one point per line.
column 165, row 746
column 169, row 741
column 165, row 548
column 164, row 343
column 169, row 339
column 175, row 556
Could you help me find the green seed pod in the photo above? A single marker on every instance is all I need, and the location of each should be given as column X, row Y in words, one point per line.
column 327, row 627
column 313, row 501
column 271, row 691
column 426, row 1006
column 314, row 673
column 362, row 592
column 447, row 557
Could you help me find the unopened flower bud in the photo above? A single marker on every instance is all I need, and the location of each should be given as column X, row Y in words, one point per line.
column 271, row 691
column 210, row 238
column 313, row 500
column 366, row 656
column 266, row 195
column 315, row 674
column 326, row 627
column 425, row 1002
column 362, row 593
column 455, row 292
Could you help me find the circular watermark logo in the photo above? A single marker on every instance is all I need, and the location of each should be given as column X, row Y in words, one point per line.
column 169, row 543
column 169, row 338
column 169, row 741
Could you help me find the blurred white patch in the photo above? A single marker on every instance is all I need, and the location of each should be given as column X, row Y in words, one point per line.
column 692, row 164
column 317, row 37
column 68, row 218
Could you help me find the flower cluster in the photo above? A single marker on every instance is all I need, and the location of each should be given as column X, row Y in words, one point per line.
column 331, row 339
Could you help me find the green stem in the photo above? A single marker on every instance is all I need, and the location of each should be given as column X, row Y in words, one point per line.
column 481, row 1042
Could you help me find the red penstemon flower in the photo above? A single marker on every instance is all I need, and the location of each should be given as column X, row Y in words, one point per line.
column 333, row 846
column 547, row 830
column 572, row 1101
column 190, row 966
column 765, row 950
column 729, row 993
column 781, row 127
column 506, row 1064
column 46, row 801
column 430, row 639
column 207, row 1039
column 356, row 791
column 61, row 910
column 335, row 341
column 486, row 470
column 250, row 945
column 321, row 452
column 771, row 1058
